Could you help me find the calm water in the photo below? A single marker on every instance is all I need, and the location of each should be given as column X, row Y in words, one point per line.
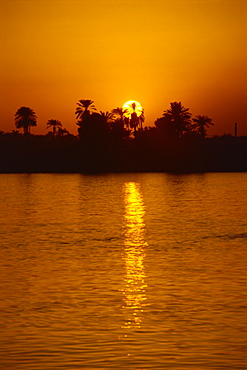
column 133, row 271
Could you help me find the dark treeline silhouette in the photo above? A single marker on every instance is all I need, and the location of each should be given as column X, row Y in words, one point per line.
column 25, row 118
column 116, row 141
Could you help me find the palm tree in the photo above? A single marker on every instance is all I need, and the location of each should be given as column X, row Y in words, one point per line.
column 135, row 120
column 94, row 127
column 201, row 124
column 25, row 117
column 179, row 117
column 141, row 119
column 164, row 125
column 120, row 113
column 84, row 107
column 15, row 133
column 62, row 132
column 107, row 117
column 120, row 120
column 54, row 123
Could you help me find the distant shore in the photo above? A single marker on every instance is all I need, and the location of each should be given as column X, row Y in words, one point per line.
column 37, row 154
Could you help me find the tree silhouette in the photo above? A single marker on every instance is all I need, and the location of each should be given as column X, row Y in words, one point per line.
column 141, row 119
column 62, row 132
column 135, row 121
column 120, row 113
column 201, row 124
column 15, row 133
column 118, row 130
column 84, row 108
column 179, row 117
column 165, row 126
column 93, row 127
column 54, row 123
column 25, row 117
column 120, row 117
column 107, row 117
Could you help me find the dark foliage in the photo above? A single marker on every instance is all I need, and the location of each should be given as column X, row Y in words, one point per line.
column 147, row 152
column 112, row 142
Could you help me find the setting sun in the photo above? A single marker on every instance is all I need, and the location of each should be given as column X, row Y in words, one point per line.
column 133, row 106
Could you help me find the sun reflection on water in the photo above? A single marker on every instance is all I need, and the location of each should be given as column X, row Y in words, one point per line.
column 134, row 240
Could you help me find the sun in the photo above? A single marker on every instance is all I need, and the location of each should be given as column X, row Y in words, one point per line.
column 132, row 106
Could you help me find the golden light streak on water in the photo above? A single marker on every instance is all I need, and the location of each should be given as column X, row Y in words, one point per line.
column 135, row 244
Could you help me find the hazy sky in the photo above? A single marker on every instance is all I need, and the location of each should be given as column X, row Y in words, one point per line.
column 55, row 52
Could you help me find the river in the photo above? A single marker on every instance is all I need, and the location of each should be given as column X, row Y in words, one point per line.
column 123, row 271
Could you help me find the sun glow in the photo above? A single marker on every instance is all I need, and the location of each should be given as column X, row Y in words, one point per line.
column 135, row 244
column 133, row 106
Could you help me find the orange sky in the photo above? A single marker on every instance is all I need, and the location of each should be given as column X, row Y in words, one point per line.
column 55, row 52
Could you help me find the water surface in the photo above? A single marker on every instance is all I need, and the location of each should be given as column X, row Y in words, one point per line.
column 128, row 271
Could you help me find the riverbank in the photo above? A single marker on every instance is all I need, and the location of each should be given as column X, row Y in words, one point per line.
column 37, row 154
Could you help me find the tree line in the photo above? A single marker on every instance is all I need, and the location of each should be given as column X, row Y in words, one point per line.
column 175, row 122
column 118, row 141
